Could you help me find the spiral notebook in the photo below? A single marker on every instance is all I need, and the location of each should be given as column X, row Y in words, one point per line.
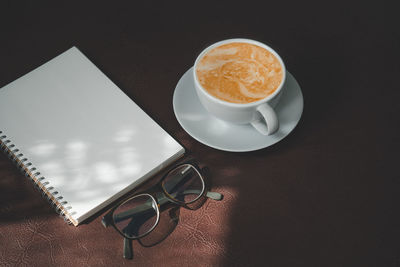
column 78, row 137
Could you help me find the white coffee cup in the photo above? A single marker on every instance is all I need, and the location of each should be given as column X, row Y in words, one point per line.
column 260, row 114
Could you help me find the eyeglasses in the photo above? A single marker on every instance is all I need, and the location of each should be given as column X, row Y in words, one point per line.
column 138, row 215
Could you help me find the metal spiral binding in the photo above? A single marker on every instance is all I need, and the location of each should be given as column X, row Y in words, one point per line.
column 26, row 167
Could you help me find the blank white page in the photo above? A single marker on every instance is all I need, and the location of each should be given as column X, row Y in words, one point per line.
column 89, row 140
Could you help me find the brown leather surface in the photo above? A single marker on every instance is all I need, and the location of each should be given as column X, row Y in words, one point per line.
column 327, row 195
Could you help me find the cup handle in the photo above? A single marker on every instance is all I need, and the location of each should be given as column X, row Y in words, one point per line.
column 270, row 124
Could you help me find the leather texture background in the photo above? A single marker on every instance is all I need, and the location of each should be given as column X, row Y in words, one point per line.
column 327, row 195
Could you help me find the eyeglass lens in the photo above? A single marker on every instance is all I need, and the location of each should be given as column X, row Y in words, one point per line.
column 184, row 184
column 136, row 216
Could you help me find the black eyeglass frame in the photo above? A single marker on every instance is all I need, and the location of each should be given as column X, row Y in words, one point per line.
column 108, row 220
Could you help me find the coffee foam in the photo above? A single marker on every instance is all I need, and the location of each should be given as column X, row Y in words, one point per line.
column 239, row 72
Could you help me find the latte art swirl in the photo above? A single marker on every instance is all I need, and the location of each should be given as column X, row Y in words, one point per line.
column 239, row 72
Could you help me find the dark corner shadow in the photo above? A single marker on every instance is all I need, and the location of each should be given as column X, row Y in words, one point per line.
column 266, row 234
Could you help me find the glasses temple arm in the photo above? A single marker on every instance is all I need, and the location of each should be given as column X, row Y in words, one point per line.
column 215, row 195
column 128, row 251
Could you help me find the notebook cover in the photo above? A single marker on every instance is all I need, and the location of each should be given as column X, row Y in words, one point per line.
column 89, row 141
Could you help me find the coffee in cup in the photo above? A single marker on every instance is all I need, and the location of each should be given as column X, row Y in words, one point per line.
column 240, row 81
column 239, row 72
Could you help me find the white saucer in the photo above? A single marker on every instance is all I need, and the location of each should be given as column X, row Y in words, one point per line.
column 213, row 132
